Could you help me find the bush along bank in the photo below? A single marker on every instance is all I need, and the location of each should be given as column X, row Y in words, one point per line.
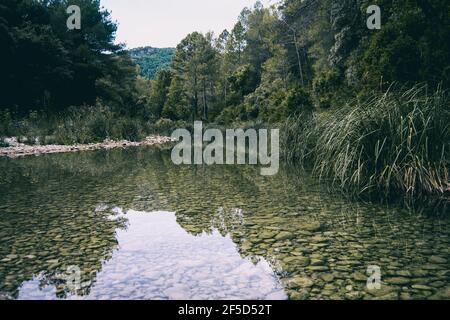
column 392, row 143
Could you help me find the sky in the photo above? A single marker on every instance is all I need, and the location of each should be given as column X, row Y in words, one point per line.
column 164, row 23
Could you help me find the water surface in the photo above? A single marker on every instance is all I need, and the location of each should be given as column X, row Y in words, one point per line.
column 138, row 227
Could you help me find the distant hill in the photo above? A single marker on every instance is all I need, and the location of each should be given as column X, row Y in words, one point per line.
column 151, row 60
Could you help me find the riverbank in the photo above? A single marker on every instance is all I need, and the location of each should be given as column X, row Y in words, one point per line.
column 17, row 149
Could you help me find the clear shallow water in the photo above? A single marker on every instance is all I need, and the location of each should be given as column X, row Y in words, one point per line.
column 139, row 227
column 157, row 259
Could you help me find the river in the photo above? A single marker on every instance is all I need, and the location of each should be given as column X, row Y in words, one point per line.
column 129, row 224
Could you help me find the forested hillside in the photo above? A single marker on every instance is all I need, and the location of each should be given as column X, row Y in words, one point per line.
column 151, row 60
column 276, row 62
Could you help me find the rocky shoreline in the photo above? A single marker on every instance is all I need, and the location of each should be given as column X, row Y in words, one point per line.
column 17, row 149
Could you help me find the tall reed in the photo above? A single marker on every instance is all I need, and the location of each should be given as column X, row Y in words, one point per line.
column 396, row 142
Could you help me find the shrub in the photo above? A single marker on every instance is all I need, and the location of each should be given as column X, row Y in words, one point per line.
column 324, row 85
column 3, row 143
column 393, row 143
column 6, row 123
column 98, row 126
column 165, row 126
column 298, row 101
column 131, row 129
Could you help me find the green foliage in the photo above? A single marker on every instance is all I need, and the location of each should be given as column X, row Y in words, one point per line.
column 412, row 45
column 297, row 101
column 3, row 143
column 57, row 68
column 77, row 125
column 240, row 81
column 87, row 125
column 129, row 129
column 299, row 63
column 6, row 123
column 397, row 143
column 151, row 60
column 165, row 125
column 275, row 103
column 159, row 93
column 84, row 125
column 194, row 67
column 304, row 55
column 325, row 86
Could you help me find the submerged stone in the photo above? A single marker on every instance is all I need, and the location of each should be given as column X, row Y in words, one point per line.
column 297, row 261
column 412, row 252
column 421, row 287
column 358, row 276
column 312, row 226
column 442, row 294
column 284, row 235
column 267, row 235
column 318, row 268
column 437, row 259
column 301, row 282
column 327, row 277
column 397, row 280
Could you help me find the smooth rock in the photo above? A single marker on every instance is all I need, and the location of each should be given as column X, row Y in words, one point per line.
column 297, row 261
column 327, row 277
column 301, row 282
column 421, row 287
column 318, row 268
column 397, row 280
column 284, row 235
column 312, row 226
column 443, row 294
column 437, row 259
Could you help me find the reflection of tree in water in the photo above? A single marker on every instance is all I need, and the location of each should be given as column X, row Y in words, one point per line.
column 307, row 235
column 49, row 221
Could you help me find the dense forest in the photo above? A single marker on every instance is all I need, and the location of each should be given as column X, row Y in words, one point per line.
column 151, row 60
column 368, row 108
column 277, row 62
column 47, row 67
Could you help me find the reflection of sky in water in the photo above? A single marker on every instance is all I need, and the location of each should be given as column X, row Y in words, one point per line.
column 54, row 214
column 157, row 259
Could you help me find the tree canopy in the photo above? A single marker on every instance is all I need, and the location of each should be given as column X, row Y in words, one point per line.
column 46, row 66
column 299, row 55
column 274, row 62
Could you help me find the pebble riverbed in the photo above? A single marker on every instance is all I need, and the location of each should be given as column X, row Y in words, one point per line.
column 139, row 227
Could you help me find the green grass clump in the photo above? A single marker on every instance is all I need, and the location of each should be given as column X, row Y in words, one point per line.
column 86, row 124
column 3, row 143
column 393, row 143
